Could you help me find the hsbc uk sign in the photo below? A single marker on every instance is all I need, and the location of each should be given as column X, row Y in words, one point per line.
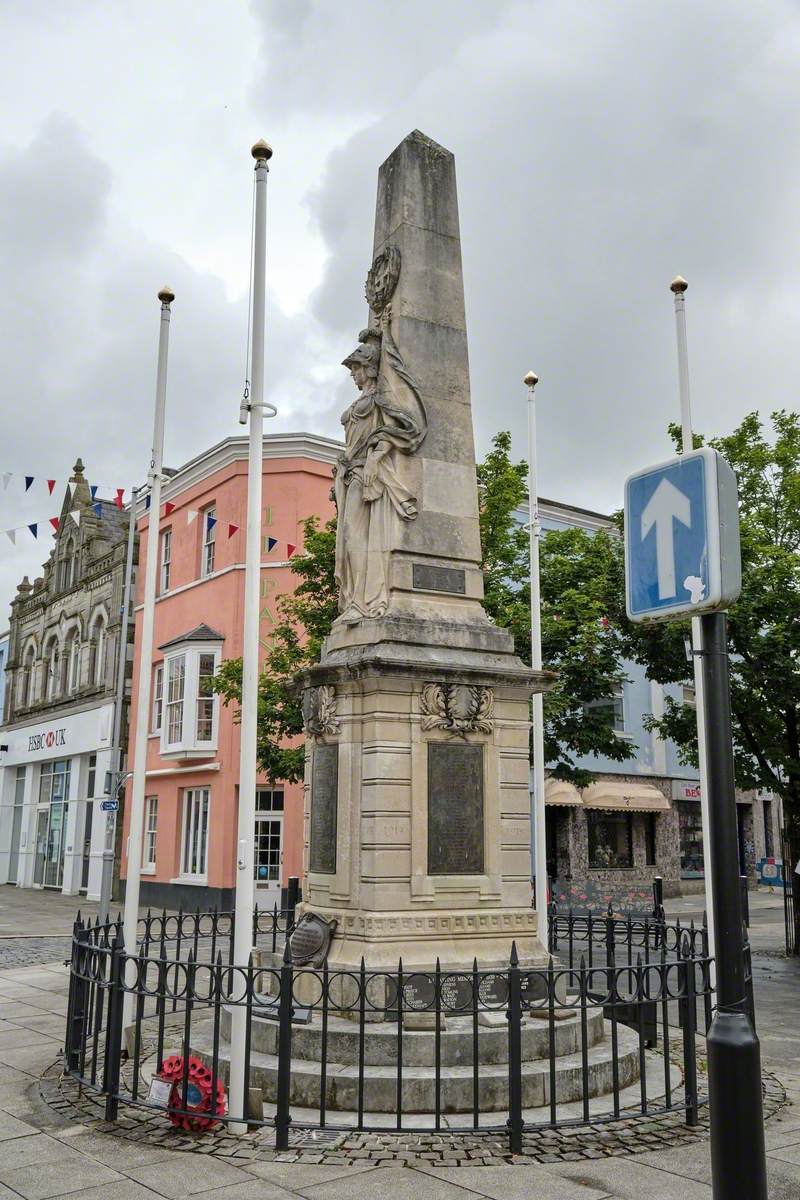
column 50, row 739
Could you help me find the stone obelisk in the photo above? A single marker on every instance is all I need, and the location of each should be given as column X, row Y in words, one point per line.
column 417, row 716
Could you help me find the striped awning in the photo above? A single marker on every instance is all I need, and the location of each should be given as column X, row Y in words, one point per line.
column 627, row 797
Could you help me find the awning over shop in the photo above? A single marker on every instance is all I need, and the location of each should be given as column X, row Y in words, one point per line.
column 628, row 797
column 558, row 791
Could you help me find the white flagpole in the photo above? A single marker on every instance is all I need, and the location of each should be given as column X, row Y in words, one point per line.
column 131, row 911
column 678, row 288
column 245, row 867
column 538, row 826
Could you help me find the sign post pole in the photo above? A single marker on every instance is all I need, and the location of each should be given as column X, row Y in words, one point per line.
column 678, row 288
column 738, row 1159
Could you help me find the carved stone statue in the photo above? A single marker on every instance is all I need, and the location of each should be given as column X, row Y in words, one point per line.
column 388, row 419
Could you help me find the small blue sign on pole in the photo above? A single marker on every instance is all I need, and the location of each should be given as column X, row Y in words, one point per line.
column 109, row 805
column 682, row 554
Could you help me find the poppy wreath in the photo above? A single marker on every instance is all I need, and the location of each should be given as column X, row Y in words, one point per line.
column 198, row 1094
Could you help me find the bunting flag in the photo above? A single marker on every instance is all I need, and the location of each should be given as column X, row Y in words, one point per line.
column 147, row 502
column 51, row 483
column 190, row 515
column 71, row 485
column 290, row 549
column 93, row 489
column 6, row 479
column 34, row 528
column 28, row 482
column 118, row 498
column 54, row 521
column 11, row 534
column 98, row 509
column 210, row 522
column 169, row 507
column 232, row 529
column 76, row 515
column 271, row 544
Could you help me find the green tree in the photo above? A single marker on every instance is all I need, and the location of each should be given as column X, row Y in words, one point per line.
column 763, row 625
column 582, row 614
column 305, row 617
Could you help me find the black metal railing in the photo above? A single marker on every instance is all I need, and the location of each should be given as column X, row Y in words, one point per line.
column 589, row 1036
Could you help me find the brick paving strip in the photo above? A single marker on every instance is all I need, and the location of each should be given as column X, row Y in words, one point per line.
column 573, row 1143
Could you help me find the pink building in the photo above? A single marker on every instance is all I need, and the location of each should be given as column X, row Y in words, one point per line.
column 190, row 818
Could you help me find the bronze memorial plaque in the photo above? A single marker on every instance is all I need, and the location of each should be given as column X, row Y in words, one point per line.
column 429, row 578
column 324, row 790
column 455, row 809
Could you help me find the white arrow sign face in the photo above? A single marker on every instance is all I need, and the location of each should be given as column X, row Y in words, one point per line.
column 665, row 505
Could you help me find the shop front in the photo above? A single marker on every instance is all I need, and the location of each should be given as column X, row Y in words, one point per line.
column 51, row 828
column 686, row 797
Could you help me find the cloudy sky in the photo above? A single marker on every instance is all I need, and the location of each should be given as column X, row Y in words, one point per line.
column 601, row 148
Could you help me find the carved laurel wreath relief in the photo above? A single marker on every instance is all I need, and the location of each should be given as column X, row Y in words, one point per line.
column 458, row 708
column 319, row 712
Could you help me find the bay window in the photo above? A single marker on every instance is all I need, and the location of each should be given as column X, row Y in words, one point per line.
column 190, row 717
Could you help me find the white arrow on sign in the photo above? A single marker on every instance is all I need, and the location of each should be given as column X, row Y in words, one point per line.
column 665, row 504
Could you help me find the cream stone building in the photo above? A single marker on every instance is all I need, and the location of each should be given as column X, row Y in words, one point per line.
column 58, row 721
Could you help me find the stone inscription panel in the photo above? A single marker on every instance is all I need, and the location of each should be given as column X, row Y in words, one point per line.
column 324, row 791
column 429, row 578
column 455, row 809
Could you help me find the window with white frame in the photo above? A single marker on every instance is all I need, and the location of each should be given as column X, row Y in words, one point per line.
column 194, row 833
column 176, row 698
column 610, row 710
column 191, row 716
column 150, row 831
column 158, row 699
column 209, row 540
column 205, row 697
column 52, row 666
column 166, row 559
column 97, row 650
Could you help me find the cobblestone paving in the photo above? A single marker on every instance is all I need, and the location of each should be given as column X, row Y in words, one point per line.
column 31, row 951
column 633, row 1135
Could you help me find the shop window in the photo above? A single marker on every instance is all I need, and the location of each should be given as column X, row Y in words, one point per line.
column 769, row 840
column 690, row 826
column 610, row 839
column 650, row 839
column 209, row 541
column 194, row 834
column 150, row 831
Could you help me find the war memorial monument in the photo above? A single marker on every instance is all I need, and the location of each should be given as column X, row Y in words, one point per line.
column 418, row 714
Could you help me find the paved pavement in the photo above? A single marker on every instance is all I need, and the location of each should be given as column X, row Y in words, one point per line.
column 42, row 1156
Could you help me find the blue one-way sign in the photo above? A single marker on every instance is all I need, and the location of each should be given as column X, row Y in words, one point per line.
column 682, row 538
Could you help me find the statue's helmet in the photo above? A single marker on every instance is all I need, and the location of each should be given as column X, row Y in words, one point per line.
column 367, row 354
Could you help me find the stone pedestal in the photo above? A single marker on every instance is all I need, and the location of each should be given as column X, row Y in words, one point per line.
column 417, row 808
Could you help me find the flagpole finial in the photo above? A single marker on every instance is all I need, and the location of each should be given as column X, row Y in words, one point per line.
column 531, row 380
column 678, row 285
column 261, row 150
column 166, row 294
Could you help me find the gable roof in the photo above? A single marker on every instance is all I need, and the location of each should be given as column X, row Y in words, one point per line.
column 201, row 633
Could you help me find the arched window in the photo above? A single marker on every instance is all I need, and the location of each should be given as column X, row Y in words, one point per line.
column 25, row 693
column 52, row 661
column 72, row 650
column 97, row 650
column 67, row 567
